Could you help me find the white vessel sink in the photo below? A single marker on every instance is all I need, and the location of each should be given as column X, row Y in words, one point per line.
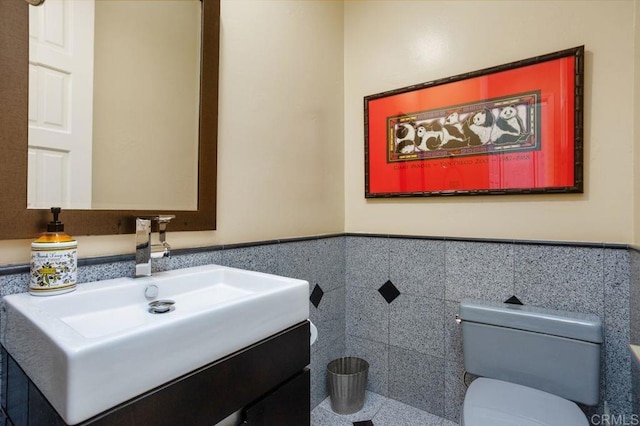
column 92, row 349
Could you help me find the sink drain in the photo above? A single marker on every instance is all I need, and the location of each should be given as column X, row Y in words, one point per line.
column 161, row 306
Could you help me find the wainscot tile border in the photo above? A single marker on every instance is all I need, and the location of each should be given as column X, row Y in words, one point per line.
column 617, row 246
column 24, row 268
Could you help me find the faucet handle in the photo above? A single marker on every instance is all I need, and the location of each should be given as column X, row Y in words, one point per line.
column 162, row 221
column 159, row 218
column 165, row 218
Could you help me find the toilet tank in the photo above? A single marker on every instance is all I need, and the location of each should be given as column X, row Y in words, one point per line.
column 554, row 351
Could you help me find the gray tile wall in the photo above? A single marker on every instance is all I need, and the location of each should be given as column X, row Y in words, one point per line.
column 321, row 262
column 634, row 308
column 414, row 343
column 634, row 265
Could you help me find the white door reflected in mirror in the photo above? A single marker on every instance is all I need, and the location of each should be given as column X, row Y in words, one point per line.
column 115, row 127
column 60, row 104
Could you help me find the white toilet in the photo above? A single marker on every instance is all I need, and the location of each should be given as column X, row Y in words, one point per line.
column 533, row 363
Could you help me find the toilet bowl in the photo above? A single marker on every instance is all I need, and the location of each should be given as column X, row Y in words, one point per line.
column 534, row 363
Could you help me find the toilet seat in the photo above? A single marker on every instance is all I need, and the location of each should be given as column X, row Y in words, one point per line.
column 490, row 402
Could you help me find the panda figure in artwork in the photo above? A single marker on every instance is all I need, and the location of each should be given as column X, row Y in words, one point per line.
column 453, row 137
column 429, row 135
column 509, row 127
column 478, row 127
column 405, row 139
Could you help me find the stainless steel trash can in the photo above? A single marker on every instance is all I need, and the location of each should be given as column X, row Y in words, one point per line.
column 347, row 381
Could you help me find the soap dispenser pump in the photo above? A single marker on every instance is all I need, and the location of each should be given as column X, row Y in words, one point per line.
column 54, row 260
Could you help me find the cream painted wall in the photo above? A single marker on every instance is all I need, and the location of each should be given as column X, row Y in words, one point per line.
column 392, row 44
column 280, row 165
column 280, row 147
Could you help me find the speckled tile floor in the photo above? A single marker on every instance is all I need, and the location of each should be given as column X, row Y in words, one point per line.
column 377, row 411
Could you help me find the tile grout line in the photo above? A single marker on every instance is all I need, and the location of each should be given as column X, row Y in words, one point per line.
column 513, row 270
column 444, row 332
column 386, row 401
column 344, row 282
column 604, row 323
column 331, row 413
column 388, row 307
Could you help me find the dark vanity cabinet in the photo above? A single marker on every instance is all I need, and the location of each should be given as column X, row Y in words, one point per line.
column 265, row 384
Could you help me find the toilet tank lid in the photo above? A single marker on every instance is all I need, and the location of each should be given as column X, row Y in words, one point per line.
column 572, row 325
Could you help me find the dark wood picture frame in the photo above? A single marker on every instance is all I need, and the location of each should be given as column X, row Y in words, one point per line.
column 516, row 128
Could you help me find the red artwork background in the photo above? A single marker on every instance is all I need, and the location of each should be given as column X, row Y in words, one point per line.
column 551, row 167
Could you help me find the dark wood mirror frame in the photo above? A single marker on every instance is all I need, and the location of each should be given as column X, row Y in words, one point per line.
column 18, row 222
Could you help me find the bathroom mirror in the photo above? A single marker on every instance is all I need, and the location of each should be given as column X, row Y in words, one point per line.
column 21, row 222
column 116, row 82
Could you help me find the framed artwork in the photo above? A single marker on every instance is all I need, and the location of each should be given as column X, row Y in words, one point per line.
column 510, row 129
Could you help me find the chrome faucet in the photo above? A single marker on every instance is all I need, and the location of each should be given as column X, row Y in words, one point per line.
column 145, row 251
